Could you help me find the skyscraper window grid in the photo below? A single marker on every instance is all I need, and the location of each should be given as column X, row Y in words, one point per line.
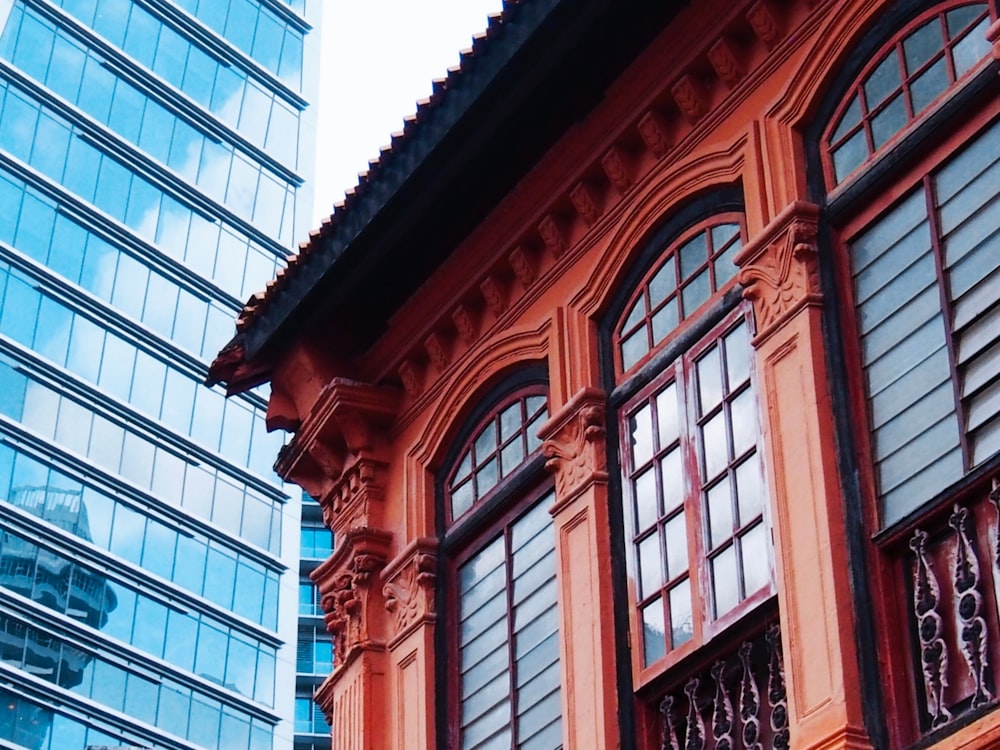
column 154, row 165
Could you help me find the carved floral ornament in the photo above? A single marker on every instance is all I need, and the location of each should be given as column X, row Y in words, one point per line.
column 779, row 270
column 348, row 592
column 409, row 586
column 574, row 442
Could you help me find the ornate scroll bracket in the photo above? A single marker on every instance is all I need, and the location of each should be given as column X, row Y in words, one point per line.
column 668, row 735
column 723, row 719
column 338, row 453
column 346, row 592
column 694, row 738
column 779, row 269
column 749, row 701
column 969, row 605
column 408, row 588
column 574, row 444
column 930, row 627
column 776, row 694
column 696, row 720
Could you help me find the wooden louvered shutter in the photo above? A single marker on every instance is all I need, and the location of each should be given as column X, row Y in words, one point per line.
column 927, row 290
column 508, row 641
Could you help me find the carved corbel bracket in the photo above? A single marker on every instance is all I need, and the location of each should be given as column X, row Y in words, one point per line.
column 409, row 584
column 349, row 594
column 779, row 269
column 574, row 443
column 338, row 454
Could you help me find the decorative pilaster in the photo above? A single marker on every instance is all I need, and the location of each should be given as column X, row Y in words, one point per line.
column 340, row 456
column 574, row 444
column 347, row 594
column 779, row 269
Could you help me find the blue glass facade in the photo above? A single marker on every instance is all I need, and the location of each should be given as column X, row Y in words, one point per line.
column 154, row 165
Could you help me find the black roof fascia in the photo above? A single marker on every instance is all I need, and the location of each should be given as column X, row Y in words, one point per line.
column 547, row 69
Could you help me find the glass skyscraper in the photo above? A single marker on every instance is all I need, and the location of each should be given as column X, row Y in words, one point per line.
column 154, row 165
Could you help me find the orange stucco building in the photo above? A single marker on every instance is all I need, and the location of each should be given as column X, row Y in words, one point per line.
column 650, row 383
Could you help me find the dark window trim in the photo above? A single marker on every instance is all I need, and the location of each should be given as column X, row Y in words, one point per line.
column 487, row 524
column 461, row 535
column 724, row 198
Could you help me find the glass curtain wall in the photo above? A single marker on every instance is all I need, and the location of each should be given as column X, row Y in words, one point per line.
column 154, row 171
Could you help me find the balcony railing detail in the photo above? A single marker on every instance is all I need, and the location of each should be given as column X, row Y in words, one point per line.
column 970, row 605
column 698, row 718
column 954, row 609
column 930, row 628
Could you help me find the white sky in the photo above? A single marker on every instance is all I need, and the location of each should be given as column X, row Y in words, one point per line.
column 379, row 57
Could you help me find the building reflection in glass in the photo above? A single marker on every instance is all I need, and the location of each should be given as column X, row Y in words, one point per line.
column 58, row 584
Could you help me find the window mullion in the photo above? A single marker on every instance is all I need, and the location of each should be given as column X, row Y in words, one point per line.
column 934, row 225
column 511, row 661
column 689, row 425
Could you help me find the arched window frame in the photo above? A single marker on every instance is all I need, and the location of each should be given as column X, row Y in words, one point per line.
column 877, row 111
column 673, row 359
column 497, row 521
column 675, row 289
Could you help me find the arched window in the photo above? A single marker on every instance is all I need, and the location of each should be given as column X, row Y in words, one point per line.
column 911, row 150
column 688, row 273
column 501, row 645
column 911, row 74
column 924, row 262
column 697, row 537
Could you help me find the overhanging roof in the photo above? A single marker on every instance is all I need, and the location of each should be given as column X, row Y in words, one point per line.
column 541, row 66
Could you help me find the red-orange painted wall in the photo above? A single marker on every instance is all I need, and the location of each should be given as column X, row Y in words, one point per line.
column 722, row 96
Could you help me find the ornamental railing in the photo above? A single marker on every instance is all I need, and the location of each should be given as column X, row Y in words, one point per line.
column 954, row 618
column 739, row 703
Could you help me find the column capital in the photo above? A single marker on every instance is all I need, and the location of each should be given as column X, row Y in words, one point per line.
column 408, row 587
column 779, row 268
column 573, row 444
column 346, row 592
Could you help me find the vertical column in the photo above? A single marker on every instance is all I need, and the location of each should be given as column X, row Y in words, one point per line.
column 779, row 270
column 409, row 597
column 353, row 698
column 339, row 455
column 575, row 448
